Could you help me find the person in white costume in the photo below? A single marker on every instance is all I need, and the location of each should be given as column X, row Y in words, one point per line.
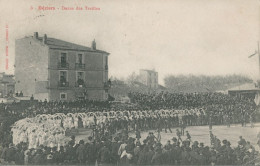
column 76, row 121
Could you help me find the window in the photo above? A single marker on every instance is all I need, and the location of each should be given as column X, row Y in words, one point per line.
column 63, row 61
column 80, row 63
column 80, row 78
column 63, row 76
column 80, row 75
column 80, row 59
column 63, row 58
column 63, row 96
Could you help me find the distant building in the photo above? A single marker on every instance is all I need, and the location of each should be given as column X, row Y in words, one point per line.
column 7, row 85
column 149, row 78
column 53, row 69
column 247, row 90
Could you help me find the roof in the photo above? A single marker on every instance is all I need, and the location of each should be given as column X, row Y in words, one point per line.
column 152, row 71
column 245, row 87
column 7, row 79
column 64, row 45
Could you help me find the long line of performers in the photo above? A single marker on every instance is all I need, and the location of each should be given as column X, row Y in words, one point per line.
column 50, row 130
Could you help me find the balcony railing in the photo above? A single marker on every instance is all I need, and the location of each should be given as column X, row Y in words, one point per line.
column 80, row 84
column 80, row 66
column 63, row 84
column 63, row 65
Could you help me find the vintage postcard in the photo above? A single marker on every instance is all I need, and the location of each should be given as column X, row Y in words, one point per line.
column 129, row 82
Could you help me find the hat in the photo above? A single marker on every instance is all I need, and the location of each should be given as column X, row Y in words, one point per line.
column 195, row 143
column 89, row 138
column 174, row 139
column 81, row 142
column 224, row 141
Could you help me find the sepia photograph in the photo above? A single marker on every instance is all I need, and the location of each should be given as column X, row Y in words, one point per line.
column 129, row 82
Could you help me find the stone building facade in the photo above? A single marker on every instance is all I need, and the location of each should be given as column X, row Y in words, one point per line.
column 7, row 85
column 149, row 78
column 55, row 70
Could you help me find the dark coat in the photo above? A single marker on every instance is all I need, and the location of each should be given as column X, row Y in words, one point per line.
column 10, row 153
column 80, row 152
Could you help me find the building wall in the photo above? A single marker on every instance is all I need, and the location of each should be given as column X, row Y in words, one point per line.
column 41, row 96
column 94, row 74
column 72, row 94
column 7, row 85
column 31, row 64
column 37, row 71
column 149, row 78
column 96, row 94
column 55, row 94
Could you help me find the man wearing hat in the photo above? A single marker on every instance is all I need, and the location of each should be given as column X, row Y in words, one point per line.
column 188, row 136
column 80, row 151
column 195, row 146
column 72, row 141
column 10, row 153
column 137, row 151
column 151, row 138
column 114, row 150
column 178, row 133
column 91, row 151
column 174, row 139
column 138, row 134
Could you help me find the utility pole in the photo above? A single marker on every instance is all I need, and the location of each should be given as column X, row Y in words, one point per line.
column 258, row 54
column 258, row 58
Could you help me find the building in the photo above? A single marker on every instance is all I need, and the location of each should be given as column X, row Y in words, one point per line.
column 248, row 90
column 149, row 78
column 55, row 70
column 7, row 84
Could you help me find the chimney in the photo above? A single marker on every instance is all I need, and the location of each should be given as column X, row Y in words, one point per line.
column 93, row 46
column 35, row 35
column 44, row 39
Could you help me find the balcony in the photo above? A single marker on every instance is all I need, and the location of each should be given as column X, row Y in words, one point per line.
column 63, row 65
column 63, row 84
column 80, row 84
column 80, row 66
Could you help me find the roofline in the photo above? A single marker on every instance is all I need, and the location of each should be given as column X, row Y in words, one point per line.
column 149, row 70
column 98, row 51
column 95, row 51
column 243, row 90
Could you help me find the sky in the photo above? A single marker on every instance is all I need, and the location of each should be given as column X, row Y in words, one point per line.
column 172, row 36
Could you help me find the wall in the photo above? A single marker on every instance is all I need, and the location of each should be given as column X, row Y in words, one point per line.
column 149, row 78
column 95, row 74
column 31, row 63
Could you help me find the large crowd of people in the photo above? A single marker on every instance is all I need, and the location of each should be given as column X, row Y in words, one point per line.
column 111, row 124
column 222, row 108
column 124, row 150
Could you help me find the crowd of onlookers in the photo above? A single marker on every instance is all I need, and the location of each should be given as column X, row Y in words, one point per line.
column 124, row 150
column 188, row 100
column 219, row 108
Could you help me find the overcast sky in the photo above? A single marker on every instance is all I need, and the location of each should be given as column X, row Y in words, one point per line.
column 172, row 36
